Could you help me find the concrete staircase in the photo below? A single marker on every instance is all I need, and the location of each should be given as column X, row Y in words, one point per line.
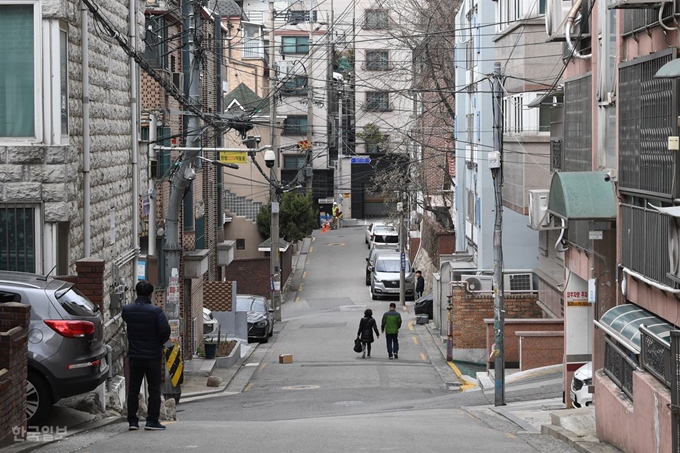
column 241, row 206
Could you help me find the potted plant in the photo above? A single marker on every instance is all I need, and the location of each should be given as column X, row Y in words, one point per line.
column 210, row 343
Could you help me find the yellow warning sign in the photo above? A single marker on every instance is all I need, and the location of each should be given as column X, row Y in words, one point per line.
column 233, row 157
column 173, row 361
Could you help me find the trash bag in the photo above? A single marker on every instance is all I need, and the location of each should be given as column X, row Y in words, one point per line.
column 357, row 345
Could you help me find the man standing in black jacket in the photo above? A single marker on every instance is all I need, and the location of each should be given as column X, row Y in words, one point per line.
column 147, row 331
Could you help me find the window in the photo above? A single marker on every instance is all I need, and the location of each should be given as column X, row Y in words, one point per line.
column 63, row 83
column 377, row 145
column 240, row 244
column 294, row 86
column 295, row 125
column 377, row 19
column 253, row 47
column 377, row 101
column 19, row 238
column 471, row 208
column 294, row 162
column 294, row 44
column 295, row 17
column 18, row 78
column 156, row 40
column 377, row 60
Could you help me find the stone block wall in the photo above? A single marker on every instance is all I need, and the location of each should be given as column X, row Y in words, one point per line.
column 14, row 319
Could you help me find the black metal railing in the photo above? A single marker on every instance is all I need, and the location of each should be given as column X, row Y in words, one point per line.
column 619, row 367
column 655, row 356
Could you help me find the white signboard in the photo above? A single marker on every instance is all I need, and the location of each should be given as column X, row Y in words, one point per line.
column 578, row 317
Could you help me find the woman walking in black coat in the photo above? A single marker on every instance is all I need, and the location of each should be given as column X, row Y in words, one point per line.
column 366, row 328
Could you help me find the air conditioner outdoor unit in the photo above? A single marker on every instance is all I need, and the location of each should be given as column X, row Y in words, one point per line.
column 518, row 282
column 674, row 247
column 539, row 218
column 478, row 282
column 556, row 18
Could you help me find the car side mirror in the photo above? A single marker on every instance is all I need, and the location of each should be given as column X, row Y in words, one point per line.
column 271, row 310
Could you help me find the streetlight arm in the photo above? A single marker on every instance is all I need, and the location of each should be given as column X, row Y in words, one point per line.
column 217, row 162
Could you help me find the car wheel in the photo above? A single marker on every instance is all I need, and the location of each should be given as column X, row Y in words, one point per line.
column 368, row 280
column 271, row 331
column 374, row 296
column 38, row 398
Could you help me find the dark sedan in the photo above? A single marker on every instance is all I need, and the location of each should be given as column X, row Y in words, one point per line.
column 260, row 316
column 424, row 305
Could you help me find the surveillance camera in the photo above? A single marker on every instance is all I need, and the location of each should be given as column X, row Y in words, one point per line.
column 611, row 175
column 607, row 177
column 269, row 158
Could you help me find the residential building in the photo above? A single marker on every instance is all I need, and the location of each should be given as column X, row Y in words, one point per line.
column 71, row 170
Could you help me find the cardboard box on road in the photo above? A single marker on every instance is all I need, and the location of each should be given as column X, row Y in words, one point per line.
column 286, row 358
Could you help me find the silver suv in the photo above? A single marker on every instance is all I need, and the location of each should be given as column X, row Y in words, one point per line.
column 66, row 351
column 385, row 276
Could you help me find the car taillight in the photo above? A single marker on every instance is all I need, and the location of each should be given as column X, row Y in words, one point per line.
column 71, row 329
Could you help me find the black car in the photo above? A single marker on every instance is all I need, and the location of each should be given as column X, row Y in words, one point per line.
column 260, row 316
column 424, row 305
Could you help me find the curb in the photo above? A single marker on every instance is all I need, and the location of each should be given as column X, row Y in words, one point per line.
column 223, row 386
column 576, row 442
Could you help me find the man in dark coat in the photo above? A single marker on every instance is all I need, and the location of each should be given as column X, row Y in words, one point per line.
column 147, row 331
column 420, row 284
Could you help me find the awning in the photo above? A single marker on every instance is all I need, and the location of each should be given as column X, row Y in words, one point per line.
column 623, row 323
column 670, row 70
column 582, row 195
column 540, row 99
column 673, row 211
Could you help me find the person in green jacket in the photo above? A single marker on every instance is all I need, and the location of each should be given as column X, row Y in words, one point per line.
column 391, row 322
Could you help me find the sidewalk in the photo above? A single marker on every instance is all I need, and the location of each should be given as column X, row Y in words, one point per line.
column 576, row 427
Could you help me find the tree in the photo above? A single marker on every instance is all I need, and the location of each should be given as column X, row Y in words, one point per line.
column 297, row 218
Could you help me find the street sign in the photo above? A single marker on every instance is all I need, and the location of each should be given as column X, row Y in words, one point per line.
column 360, row 160
column 403, row 261
column 228, row 157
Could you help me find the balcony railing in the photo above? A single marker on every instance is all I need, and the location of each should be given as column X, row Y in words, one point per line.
column 619, row 367
column 655, row 356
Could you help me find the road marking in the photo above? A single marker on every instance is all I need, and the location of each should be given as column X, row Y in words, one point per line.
column 263, row 366
column 415, row 340
column 304, row 274
column 252, row 364
column 300, row 387
column 300, row 287
column 410, row 325
column 297, row 298
column 466, row 384
column 313, row 239
column 248, row 387
column 311, row 249
column 423, row 357
column 510, row 435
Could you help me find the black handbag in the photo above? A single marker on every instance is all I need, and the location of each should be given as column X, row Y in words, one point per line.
column 357, row 345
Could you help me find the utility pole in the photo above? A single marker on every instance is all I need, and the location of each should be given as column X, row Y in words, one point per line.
column 274, row 266
column 495, row 159
column 219, row 171
column 402, row 250
column 309, row 169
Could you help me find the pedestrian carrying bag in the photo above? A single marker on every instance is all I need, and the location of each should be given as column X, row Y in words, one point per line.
column 357, row 345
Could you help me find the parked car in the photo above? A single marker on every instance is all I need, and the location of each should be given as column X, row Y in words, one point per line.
column 260, row 316
column 424, row 305
column 385, row 277
column 210, row 324
column 579, row 394
column 369, row 231
column 384, row 235
column 66, row 351
column 373, row 255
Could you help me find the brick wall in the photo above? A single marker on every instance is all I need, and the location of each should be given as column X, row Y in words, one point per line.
column 14, row 319
column 513, row 327
column 470, row 310
column 252, row 275
column 217, row 295
column 539, row 349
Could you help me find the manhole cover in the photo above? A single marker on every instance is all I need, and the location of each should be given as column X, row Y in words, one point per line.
column 300, row 387
column 348, row 403
column 336, row 244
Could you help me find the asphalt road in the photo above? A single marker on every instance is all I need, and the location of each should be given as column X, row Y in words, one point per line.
column 330, row 399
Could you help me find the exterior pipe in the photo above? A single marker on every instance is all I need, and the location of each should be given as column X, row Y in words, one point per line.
column 152, row 187
column 567, row 30
column 84, row 49
column 134, row 112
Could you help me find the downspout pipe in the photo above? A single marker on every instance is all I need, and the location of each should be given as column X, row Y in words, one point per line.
column 134, row 123
column 84, row 49
column 571, row 16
